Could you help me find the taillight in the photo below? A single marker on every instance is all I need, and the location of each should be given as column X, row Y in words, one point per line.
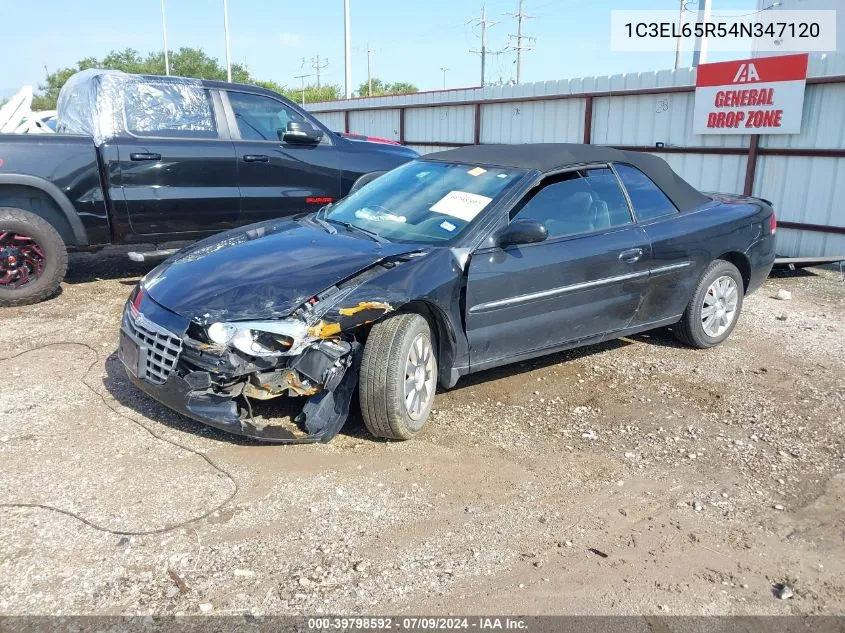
column 773, row 224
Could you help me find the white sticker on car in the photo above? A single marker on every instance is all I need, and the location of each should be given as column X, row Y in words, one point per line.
column 461, row 204
column 447, row 226
column 477, row 171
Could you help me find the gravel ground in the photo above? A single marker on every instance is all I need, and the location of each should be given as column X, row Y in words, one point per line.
column 633, row 477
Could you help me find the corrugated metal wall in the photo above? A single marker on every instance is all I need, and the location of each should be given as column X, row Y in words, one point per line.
column 804, row 189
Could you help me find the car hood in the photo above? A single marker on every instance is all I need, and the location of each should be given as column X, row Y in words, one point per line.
column 261, row 271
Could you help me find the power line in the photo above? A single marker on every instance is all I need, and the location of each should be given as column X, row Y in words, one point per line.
column 315, row 64
column 485, row 24
column 519, row 37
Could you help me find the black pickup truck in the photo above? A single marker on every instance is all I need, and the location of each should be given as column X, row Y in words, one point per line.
column 148, row 159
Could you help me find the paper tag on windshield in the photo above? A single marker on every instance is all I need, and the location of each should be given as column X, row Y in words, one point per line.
column 460, row 204
column 477, row 171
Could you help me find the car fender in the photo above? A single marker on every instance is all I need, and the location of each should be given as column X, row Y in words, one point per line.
column 429, row 285
column 61, row 201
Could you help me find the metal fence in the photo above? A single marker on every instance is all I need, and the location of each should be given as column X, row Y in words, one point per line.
column 802, row 174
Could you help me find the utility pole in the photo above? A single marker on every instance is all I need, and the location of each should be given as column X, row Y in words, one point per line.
column 164, row 33
column 369, row 71
column 485, row 24
column 679, row 40
column 699, row 55
column 347, row 55
column 315, row 64
column 302, row 79
column 228, row 50
column 444, row 76
column 519, row 46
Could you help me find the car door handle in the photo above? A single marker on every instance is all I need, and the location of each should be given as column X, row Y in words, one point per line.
column 631, row 256
column 138, row 156
column 256, row 158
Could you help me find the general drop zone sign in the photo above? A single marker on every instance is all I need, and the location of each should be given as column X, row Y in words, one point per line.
column 764, row 95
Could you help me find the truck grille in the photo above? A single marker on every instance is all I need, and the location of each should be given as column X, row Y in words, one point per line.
column 162, row 347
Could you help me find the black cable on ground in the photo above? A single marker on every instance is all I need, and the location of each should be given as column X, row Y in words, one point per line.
column 92, row 524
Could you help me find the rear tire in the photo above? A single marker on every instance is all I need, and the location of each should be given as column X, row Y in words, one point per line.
column 45, row 241
column 714, row 309
column 398, row 377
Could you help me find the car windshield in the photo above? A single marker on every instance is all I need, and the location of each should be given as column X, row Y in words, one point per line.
column 424, row 201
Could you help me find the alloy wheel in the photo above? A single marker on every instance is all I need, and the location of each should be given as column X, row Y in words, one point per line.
column 719, row 309
column 419, row 377
column 21, row 260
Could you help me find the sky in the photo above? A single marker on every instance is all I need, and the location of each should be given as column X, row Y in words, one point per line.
column 411, row 39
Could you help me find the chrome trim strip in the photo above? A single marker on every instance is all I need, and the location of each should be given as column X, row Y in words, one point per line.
column 553, row 292
column 668, row 267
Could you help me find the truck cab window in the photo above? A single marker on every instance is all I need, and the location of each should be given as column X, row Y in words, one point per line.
column 261, row 118
column 171, row 110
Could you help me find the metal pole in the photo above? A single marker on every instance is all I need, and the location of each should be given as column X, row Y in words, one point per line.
column 302, row 79
column 444, row 76
column 678, row 43
column 699, row 56
column 347, row 59
column 164, row 33
column 228, row 49
column 519, row 44
column 483, row 40
column 369, row 72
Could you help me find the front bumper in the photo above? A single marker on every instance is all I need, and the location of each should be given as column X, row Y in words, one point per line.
column 321, row 419
column 218, row 411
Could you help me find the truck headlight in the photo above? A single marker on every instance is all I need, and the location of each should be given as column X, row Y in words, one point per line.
column 261, row 338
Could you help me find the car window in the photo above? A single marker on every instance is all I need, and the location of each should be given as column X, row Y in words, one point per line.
column 168, row 109
column 577, row 202
column 646, row 197
column 261, row 118
column 424, row 201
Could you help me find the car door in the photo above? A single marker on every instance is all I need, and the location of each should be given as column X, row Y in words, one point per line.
column 176, row 167
column 678, row 244
column 278, row 178
column 585, row 280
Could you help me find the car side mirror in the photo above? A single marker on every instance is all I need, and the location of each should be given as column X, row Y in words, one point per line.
column 302, row 132
column 522, row 232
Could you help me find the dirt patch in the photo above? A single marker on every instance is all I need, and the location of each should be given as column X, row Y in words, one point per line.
column 637, row 476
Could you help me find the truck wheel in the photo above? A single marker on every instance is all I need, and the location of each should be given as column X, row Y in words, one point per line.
column 398, row 377
column 713, row 311
column 33, row 258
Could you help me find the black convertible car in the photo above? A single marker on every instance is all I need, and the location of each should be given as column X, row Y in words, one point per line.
column 450, row 264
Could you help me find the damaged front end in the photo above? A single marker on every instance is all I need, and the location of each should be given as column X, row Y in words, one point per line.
column 213, row 371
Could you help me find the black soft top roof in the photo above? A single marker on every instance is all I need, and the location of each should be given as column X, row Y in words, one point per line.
column 547, row 157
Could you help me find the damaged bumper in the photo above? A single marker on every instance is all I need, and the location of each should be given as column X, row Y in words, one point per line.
column 215, row 385
column 326, row 411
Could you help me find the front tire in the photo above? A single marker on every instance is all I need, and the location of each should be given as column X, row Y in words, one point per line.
column 398, row 377
column 714, row 309
column 33, row 258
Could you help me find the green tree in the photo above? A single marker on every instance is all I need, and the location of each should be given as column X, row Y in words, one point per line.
column 402, row 87
column 185, row 62
column 325, row 92
column 55, row 81
column 382, row 88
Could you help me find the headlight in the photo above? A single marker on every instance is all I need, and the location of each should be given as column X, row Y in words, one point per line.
column 261, row 338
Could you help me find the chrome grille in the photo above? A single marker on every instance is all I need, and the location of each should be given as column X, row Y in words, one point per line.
column 162, row 347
